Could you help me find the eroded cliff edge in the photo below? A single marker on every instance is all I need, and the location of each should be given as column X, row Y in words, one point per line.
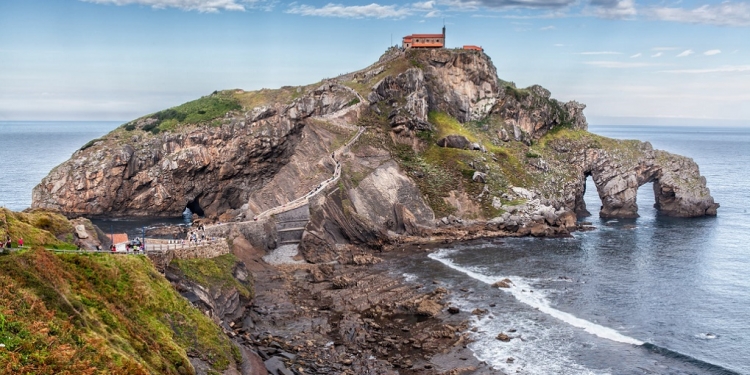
column 445, row 144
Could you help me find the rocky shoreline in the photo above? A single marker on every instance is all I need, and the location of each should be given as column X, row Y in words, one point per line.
column 353, row 317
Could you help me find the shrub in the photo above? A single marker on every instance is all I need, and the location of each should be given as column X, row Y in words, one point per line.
column 90, row 143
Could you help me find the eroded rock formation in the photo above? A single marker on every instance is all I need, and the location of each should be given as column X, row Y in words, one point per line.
column 679, row 189
column 215, row 168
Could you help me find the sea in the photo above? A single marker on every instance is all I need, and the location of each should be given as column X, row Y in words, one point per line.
column 652, row 295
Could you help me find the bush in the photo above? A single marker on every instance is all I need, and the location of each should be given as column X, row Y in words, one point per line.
column 90, row 143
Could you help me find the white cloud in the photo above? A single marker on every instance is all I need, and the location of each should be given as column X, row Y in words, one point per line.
column 658, row 54
column 352, row 11
column 722, row 69
column 618, row 64
column 204, row 6
column 601, row 53
column 725, row 14
column 686, row 53
column 547, row 28
column 559, row 45
column 636, row 55
column 614, row 8
column 425, row 5
column 538, row 4
column 712, row 52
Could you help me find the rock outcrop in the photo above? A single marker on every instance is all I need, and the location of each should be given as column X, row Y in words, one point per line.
column 679, row 189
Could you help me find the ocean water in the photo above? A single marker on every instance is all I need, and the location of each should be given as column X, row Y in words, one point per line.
column 30, row 149
column 652, row 295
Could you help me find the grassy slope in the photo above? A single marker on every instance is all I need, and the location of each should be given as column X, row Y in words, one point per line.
column 99, row 314
column 37, row 228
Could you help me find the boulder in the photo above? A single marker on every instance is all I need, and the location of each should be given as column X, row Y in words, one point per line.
column 538, row 229
column 81, row 231
column 503, row 134
column 503, row 337
column 429, row 308
column 454, row 141
column 342, row 282
column 566, row 219
column 504, row 283
column 479, row 177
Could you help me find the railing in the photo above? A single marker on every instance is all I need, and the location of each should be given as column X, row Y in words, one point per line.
column 160, row 247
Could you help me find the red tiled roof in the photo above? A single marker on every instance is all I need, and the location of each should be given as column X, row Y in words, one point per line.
column 119, row 238
column 426, row 35
column 471, row 47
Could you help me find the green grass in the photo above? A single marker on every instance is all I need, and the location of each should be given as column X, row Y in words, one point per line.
column 213, row 273
column 99, row 314
column 198, row 111
column 37, row 228
column 446, row 125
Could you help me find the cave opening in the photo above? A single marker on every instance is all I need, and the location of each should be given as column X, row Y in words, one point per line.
column 195, row 207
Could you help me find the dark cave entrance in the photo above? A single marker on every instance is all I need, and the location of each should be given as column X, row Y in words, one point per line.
column 195, row 207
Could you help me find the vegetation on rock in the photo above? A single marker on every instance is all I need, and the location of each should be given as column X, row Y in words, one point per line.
column 214, row 273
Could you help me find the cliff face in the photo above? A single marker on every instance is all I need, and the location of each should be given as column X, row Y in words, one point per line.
column 209, row 167
column 444, row 145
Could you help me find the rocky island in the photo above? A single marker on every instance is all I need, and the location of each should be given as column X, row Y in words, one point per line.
column 424, row 146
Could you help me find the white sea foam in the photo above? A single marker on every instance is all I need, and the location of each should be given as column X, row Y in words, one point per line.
column 537, row 347
column 523, row 292
column 409, row 277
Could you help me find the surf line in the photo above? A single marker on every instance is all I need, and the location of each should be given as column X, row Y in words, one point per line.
column 522, row 292
column 537, row 300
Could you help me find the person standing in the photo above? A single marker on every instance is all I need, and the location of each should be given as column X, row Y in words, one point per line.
column 20, row 242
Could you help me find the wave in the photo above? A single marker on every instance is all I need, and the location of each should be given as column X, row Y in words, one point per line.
column 523, row 292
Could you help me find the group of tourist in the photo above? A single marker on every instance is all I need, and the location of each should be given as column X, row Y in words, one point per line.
column 8, row 242
column 197, row 236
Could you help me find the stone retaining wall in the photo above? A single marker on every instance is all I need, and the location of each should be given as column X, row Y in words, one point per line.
column 212, row 250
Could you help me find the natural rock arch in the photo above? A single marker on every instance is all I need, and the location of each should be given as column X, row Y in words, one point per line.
column 679, row 189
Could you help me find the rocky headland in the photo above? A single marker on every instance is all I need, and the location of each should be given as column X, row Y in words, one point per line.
column 423, row 147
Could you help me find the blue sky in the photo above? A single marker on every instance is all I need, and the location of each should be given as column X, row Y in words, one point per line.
column 629, row 61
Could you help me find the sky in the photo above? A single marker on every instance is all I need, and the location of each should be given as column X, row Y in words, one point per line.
column 666, row 62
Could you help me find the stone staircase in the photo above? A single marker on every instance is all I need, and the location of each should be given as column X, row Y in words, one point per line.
column 291, row 224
